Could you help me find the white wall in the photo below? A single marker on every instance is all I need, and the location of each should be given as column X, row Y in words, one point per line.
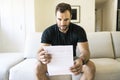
column 88, row 15
column 0, row 24
column 12, row 25
column 16, row 20
column 45, row 13
column 29, row 16
column 99, row 18
column 110, row 15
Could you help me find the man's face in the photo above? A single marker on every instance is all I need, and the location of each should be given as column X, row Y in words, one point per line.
column 63, row 20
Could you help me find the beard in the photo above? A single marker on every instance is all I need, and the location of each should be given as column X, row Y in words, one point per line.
column 63, row 27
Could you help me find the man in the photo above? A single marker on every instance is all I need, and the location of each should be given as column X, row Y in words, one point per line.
column 65, row 33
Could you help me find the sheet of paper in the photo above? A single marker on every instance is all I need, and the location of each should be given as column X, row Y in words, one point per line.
column 62, row 59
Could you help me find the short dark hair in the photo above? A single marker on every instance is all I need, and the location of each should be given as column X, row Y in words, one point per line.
column 62, row 7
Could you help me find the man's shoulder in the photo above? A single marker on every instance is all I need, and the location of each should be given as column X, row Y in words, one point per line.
column 75, row 26
column 52, row 27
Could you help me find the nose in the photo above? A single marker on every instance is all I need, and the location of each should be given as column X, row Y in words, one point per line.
column 62, row 22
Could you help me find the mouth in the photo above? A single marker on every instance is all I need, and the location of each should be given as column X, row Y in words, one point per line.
column 63, row 28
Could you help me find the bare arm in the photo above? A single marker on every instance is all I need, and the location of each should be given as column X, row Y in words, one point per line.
column 84, row 57
column 84, row 51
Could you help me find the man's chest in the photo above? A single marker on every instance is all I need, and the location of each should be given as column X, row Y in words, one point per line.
column 64, row 39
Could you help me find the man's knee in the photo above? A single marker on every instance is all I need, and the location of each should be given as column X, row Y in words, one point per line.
column 88, row 71
column 41, row 68
column 90, row 66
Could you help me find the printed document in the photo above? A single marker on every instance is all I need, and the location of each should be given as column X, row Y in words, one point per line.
column 62, row 59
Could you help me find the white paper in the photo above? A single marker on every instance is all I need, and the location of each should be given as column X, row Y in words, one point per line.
column 62, row 59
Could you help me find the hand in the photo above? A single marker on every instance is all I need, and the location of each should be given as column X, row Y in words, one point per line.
column 44, row 57
column 77, row 67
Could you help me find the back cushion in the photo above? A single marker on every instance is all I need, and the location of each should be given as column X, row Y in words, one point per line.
column 32, row 44
column 100, row 45
column 116, row 43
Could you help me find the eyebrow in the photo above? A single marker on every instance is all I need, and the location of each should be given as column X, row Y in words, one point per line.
column 64, row 19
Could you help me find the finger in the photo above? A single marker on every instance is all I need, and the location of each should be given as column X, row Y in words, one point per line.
column 45, row 61
column 79, row 70
column 42, row 54
column 73, row 70
column 48, row 56
column 41, row 49
column 77, row 65
column 42, row 58
column 76, row 72
column 72, row 67
column 48, row 61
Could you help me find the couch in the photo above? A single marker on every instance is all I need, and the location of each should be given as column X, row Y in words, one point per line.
column 105, row 53
column 7, row 61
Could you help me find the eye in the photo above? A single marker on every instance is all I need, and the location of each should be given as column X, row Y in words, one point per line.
column 59, row 19
column 66, row 19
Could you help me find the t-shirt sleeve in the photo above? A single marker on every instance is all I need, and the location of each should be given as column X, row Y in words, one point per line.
column 82, row 35
column 46, row 37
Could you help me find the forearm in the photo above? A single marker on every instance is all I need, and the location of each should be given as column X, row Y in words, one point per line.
column 85, row 56
column 84, row 51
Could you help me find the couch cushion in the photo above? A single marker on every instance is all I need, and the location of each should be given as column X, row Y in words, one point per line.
column 118, row 59
column 107, row 69
column 100, row 45
column 116, row 43
column 7, row 60
column 32, row 44
column 26, row 71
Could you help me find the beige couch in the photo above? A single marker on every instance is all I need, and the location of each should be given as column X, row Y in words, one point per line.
column 105, row 53
column 7, row 61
